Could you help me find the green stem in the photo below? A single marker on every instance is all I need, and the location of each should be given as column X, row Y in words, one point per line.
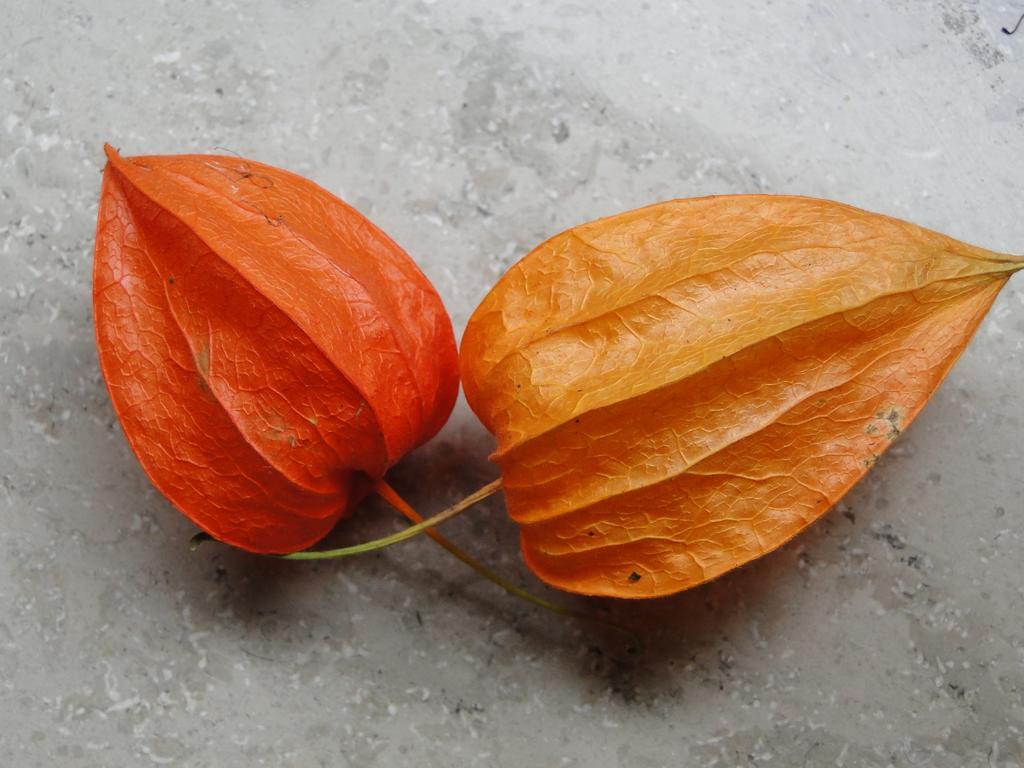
column 421, row 525
column 407, row 533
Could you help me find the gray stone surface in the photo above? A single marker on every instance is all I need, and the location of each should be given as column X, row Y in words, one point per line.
column 889, row 634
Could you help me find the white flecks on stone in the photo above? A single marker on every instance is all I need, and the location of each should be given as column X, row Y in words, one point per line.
column 168, row 57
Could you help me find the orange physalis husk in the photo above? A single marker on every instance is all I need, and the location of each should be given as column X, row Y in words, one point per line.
column 680, row 389
column 269, row 352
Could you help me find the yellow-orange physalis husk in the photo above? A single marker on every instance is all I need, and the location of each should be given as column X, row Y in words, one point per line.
column 680, row 389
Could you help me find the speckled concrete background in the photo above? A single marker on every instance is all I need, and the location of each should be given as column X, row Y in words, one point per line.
column 890, row 634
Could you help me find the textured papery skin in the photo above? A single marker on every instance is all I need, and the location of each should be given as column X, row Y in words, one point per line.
column 680, row 389
column 267, row 348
